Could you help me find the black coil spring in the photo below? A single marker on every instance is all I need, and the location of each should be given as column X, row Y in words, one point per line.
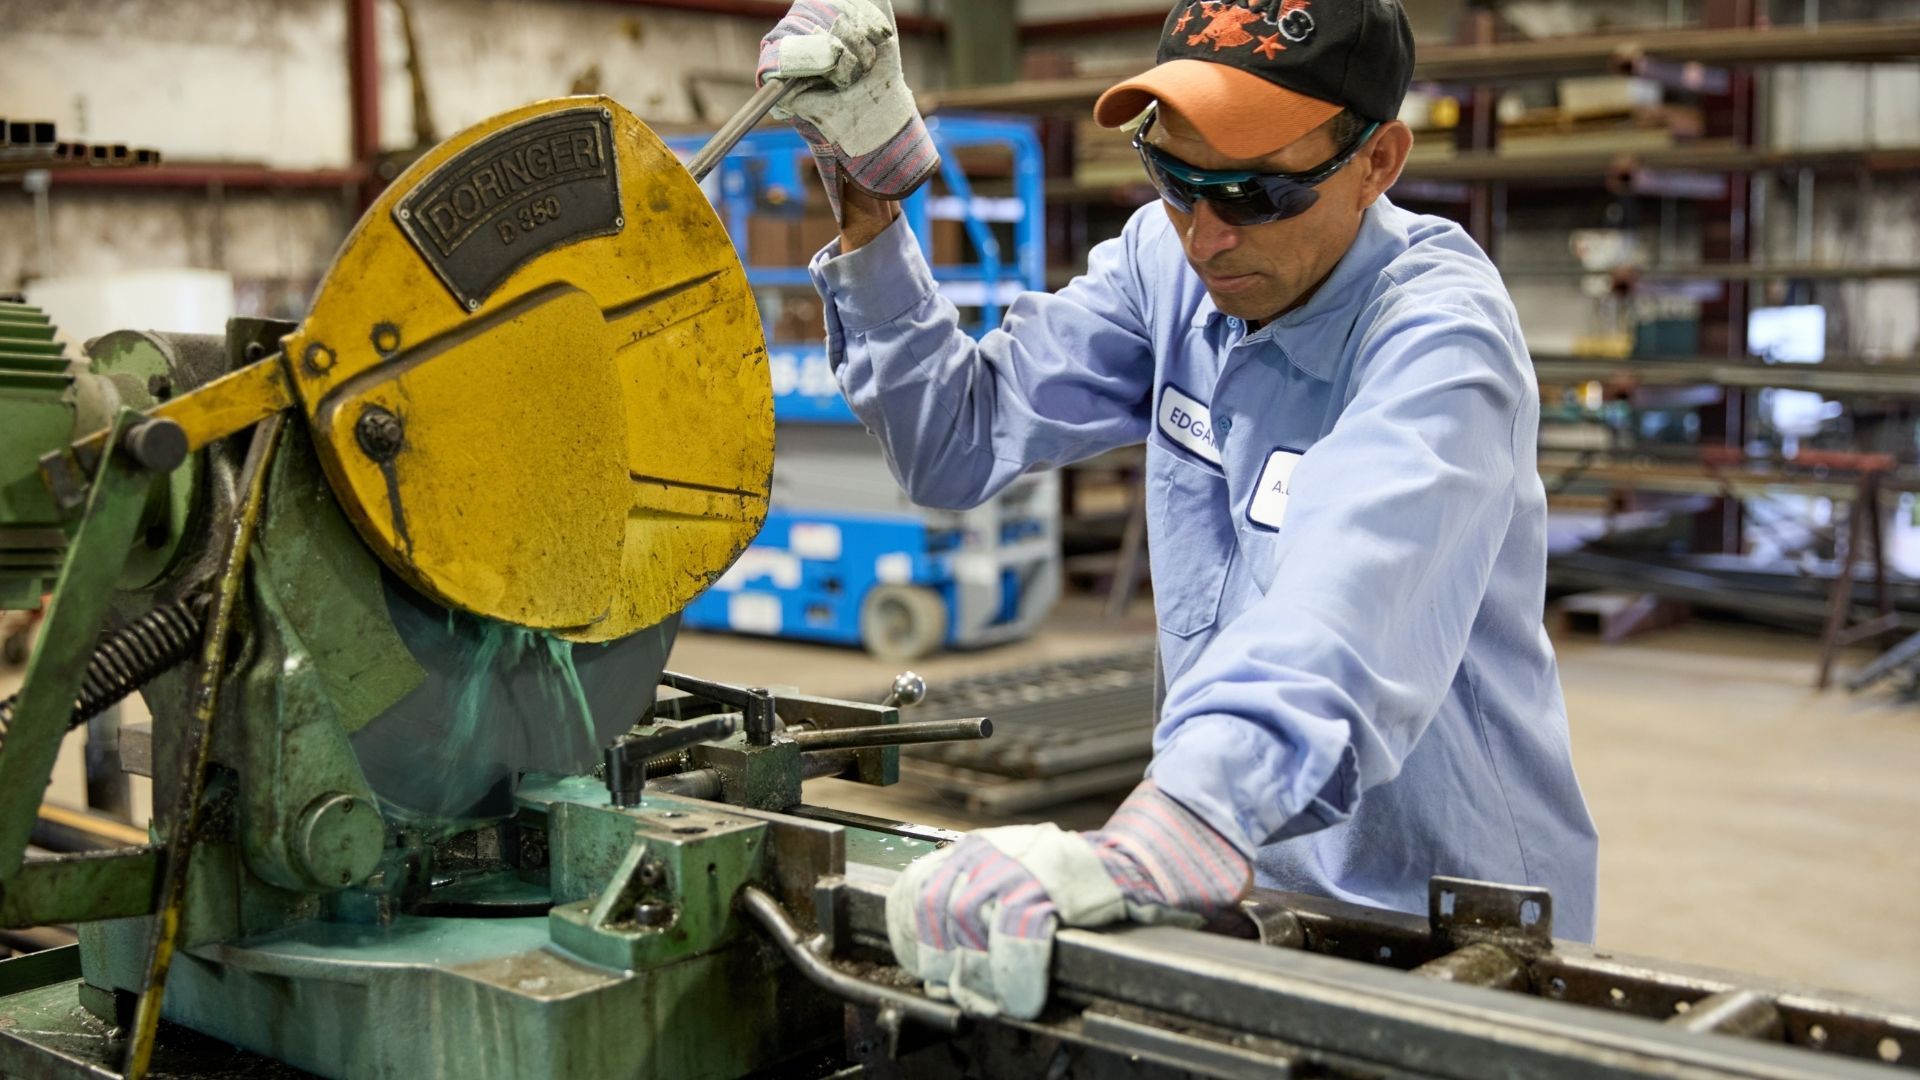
column 130, row 658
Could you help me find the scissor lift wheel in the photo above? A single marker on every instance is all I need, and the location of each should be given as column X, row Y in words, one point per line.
column 902, row 622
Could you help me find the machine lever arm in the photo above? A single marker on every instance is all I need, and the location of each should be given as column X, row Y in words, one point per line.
column 770, row 94
column 627, row 758
column 755, row 704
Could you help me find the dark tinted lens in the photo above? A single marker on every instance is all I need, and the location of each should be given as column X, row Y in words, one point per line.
column 1275, row 201
column 1272, row 199
column 1171, row 188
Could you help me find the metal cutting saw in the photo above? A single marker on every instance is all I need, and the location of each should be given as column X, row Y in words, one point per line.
column 398, row 584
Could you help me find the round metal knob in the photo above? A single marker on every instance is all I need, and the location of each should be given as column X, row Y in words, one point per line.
column 908, row 689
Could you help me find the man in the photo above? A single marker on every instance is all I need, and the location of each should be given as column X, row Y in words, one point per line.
column 1346, row 527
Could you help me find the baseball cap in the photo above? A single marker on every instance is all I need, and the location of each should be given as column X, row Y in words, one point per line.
column 1252, row 76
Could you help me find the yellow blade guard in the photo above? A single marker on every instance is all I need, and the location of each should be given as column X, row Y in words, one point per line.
column 537, row 379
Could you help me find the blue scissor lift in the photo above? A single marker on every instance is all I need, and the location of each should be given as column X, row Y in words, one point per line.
column 845, row 556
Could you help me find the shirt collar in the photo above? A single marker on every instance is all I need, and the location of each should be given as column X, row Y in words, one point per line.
column 1382, row 234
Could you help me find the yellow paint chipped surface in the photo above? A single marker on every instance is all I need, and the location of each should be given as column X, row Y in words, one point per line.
column 586, row 451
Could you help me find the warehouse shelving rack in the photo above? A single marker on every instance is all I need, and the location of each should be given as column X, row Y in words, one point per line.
column 1510, row 61
column 1475, row 183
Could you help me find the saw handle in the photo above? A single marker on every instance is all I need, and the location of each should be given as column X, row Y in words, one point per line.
column 763, row 101
column 626, row 759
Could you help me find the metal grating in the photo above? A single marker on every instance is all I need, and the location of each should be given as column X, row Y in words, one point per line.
column 1061, row 730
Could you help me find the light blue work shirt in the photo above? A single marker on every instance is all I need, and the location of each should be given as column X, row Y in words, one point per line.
column 1347, row 535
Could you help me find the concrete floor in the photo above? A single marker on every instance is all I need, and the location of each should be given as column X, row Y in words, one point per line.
column 1746, row 821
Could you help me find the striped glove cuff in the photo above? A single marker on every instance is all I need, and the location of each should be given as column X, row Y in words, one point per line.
column 1163, row 855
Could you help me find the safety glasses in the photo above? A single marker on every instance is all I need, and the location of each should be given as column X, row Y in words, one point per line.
column 1240, row 198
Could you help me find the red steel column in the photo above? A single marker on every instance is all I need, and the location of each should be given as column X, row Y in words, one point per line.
column 363, row 92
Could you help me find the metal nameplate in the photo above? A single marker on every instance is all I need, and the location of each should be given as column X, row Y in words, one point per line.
column 513, row 196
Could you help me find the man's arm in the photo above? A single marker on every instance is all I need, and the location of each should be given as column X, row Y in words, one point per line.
column 1066, row 375
column 863, row 217
column 1394, row 521
column 1064, row 378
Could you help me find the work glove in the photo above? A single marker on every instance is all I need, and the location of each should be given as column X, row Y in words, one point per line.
column 859, row 119
column 975, row 922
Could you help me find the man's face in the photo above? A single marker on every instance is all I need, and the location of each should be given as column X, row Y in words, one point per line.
column 1258, row 272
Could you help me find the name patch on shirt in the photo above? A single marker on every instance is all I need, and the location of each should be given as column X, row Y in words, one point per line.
column 1188, row 423
column 1268, row 507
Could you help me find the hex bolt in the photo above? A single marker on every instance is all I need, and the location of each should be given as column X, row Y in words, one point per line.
column 157, row 445
column 649, row 913
column 379, row 433
column 651, row 873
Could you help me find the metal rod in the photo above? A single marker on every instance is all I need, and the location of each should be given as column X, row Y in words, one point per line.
column 184, row 822
column 828, row 763
column 927, row 731
column 809, row 955
column 697, row 784
column 1732, row 1012
column 770, row 94
column 59, row 829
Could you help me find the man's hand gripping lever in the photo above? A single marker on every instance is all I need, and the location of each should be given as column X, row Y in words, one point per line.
column 856, row 112
column 976, row 921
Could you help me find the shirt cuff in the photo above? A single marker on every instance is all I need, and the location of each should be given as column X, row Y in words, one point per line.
column 1251, row 786
column 876, row 284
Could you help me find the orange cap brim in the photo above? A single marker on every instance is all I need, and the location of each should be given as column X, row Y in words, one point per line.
column 1237, row 112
